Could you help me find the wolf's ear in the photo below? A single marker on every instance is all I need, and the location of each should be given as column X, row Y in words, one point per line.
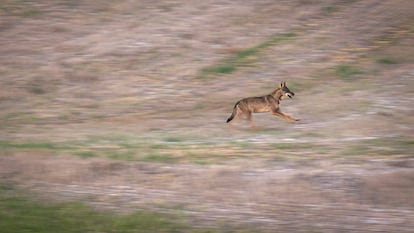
column 282, row 84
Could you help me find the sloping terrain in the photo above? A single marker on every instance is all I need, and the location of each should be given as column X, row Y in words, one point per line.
column 123, row 105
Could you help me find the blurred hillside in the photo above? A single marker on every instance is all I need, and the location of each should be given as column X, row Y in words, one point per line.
column 152, row 82
column 140, row 66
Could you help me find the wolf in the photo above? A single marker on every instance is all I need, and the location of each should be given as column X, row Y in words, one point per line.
column 268, row 103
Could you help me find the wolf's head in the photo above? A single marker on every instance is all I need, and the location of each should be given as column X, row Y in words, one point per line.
column 285, row 91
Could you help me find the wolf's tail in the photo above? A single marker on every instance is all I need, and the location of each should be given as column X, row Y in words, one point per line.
column 233, row 113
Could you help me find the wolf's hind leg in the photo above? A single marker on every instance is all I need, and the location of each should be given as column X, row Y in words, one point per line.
column 250, row 120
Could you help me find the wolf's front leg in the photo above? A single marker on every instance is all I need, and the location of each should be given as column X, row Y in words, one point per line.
column 285, row 116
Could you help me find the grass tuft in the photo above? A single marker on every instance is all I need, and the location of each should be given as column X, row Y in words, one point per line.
column 329, row 9
column 220, row 69
column 347, row 72
column 85, row 154
column 160, row 158
column 242, row 57
column 173, row 139
column 386, row 60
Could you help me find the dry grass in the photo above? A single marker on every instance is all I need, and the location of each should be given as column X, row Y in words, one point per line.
column 101, row 102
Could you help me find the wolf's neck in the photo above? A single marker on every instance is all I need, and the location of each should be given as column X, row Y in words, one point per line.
column 277, row 94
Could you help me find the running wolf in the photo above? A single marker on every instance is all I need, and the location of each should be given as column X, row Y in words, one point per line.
column 268, row 103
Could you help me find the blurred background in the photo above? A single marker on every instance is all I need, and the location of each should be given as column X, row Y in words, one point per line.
column 121, row 107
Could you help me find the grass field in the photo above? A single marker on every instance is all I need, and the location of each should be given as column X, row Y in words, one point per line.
column 20, row 213
column 120, row 107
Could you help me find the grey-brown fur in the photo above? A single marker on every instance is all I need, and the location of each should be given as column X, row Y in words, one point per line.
column 267, row 103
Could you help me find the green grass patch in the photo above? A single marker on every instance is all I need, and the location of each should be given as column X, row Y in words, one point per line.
column 20, row 214
column 243, row 57
column 159, row 146
column 329, row 9
column 24, row 9
column 159, row 158
column 173, row 139
column 220, row 69
column 33, row 145
column 121, row 155
column 201, row 158
column 386, row 60
column 347, row 72
column 86, row 154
